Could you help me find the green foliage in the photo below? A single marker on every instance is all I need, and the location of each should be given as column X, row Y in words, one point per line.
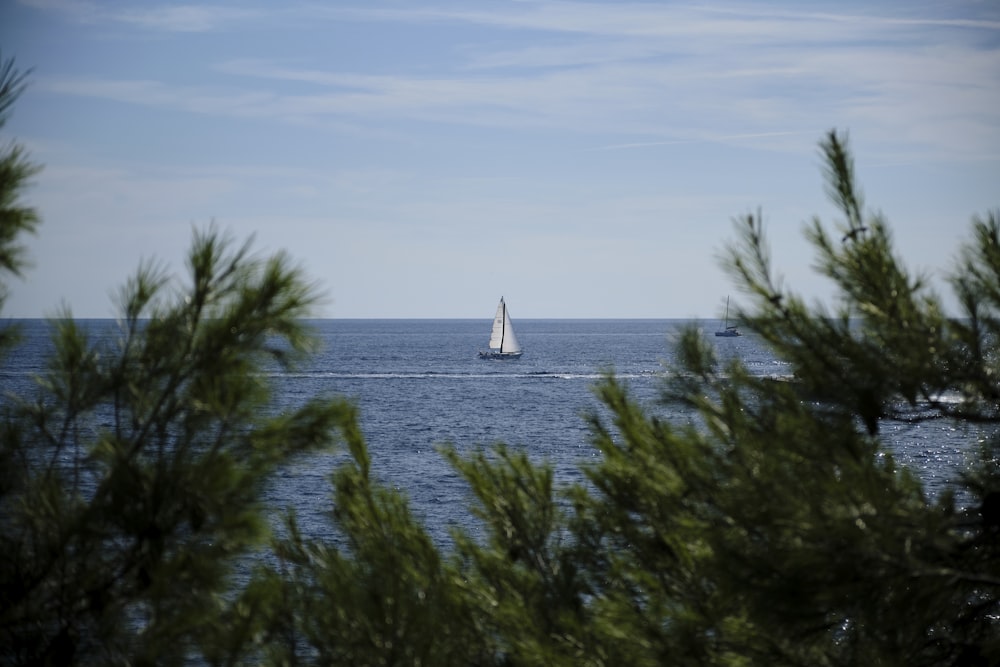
column 134, row 475
column 15, row 172
column 896, row 576
column 776, row 528
column 522, row 579
column 382, row 597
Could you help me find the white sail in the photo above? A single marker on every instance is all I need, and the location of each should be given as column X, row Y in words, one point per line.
column 509, row 343
column 503, row 341
column 496, row 338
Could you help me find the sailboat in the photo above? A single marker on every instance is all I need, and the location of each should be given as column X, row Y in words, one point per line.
column 728, row 331
column 503, row 342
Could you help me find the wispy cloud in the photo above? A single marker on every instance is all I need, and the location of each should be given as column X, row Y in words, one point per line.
column 626, row 19
column 704, row 139
column 172, row 18
column 658, row 73
column 187, row 18
column 647, row 19
column 194, row 99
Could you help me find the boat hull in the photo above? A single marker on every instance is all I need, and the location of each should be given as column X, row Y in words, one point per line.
column 497, row 354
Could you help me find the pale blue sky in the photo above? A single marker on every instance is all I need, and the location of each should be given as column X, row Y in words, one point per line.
column 420, row 159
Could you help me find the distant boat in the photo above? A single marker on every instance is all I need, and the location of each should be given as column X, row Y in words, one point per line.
column 503, row 341
column 727, row 330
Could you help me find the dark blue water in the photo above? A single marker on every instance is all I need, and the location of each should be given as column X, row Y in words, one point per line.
column 420, row 383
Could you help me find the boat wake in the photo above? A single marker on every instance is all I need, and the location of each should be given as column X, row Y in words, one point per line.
column 439, row 375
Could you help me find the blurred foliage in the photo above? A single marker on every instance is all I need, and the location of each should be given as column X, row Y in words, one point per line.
column 131, row 480
column 16, row 170
column 772, row 527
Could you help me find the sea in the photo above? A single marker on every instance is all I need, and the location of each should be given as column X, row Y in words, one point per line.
column 420, row 384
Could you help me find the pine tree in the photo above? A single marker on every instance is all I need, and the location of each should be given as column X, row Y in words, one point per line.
column 131, row 478
column 134, row 474
column 16, row 170
column 776, row 528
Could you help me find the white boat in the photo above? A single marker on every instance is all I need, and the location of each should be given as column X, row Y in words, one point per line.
column 727, row 330
column 503, row 341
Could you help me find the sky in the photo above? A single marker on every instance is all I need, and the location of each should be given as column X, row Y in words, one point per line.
column 421, row 159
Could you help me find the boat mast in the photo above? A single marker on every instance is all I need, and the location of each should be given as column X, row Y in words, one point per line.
column 503, row 323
